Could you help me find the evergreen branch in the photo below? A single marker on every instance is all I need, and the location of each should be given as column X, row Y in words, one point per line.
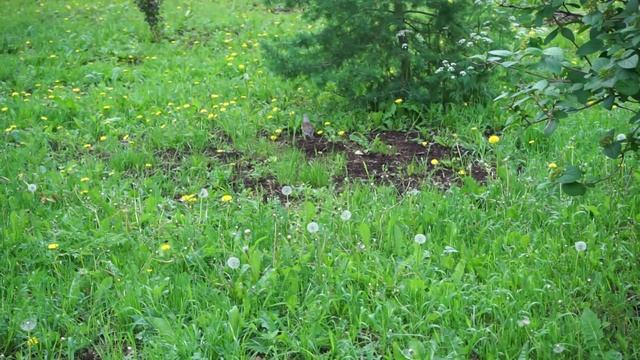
column 418, row 12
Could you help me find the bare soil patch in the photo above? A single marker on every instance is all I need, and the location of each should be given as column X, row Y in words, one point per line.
column 390, row 167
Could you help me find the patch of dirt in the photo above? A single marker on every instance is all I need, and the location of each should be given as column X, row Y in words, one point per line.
column 390, row 167
column 401, row 159
column 87, row 354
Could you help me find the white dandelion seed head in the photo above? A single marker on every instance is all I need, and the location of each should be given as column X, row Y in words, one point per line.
column 233, row 262
column 203, row 194
column 346, row 215
column 247, row 231
column 621, row 137
column 413, row 192
column 524, row 322
column 581, row 246
column 420, row 239
column 558, row 348
column 286, row 190
column 29, row 325
column 32, row 188
column 245, row 248
column 313, row 227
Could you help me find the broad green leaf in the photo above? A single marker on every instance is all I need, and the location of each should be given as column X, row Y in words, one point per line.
column 508, row 64
column 608, row 102
column 234, row 319
column 612, row 150
column 365, row 233
column 612, row 355
column 501, row 53
column 552, row 35
column 540, row 85
column 552, row 64
column 590, row 47
column 628, row 87
column 574, row 189
column 567, row 34
column 571, row 174
column 552, row 125
column 591, row 328
column 630, row 62
column 163, row 327
column 554, row 51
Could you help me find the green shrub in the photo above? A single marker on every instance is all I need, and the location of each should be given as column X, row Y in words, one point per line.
column 374, row 52
column 600, row 67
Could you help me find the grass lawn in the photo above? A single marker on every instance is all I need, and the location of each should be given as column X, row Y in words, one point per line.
column 157, row 202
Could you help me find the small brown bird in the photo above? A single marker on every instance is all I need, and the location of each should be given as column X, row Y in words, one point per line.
column 307, row 127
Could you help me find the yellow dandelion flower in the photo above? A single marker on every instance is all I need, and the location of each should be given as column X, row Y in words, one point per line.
column 398, row 101
column 319, row 132
column 103, row 138
column 4, row 109
column 76, row 90
column 462, row 172
column 226, row 198
column 165, row 247
column 278, row 131
column 327, row 123
column 53, row 246
column 107, row 107
column 87, row 146
column 84, row 179
column 552, row 165
column 424, row 143
column 273, row 137
column 190, row 198
column 435, row 162
column 494, row 139
column 241, row 67
column 532, row 141
column 342, row 133
column 32, row 341
column 147, row 165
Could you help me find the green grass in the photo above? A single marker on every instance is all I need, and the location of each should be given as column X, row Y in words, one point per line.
column 113, row 143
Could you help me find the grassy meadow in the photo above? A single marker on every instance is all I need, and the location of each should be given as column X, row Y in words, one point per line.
column 142, row 211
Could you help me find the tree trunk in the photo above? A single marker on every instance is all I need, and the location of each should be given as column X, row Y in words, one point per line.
column 403, row 40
